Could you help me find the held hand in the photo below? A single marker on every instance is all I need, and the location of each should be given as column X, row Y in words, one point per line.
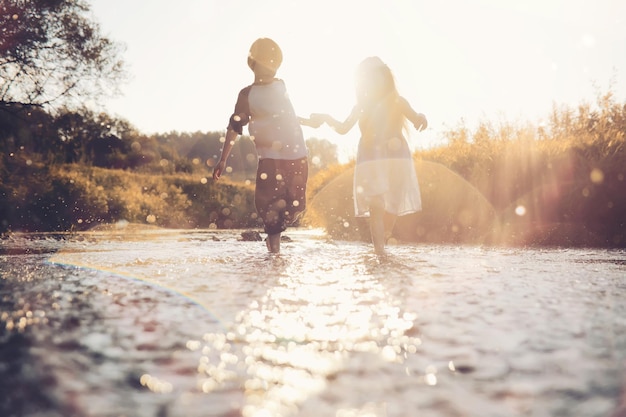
column 311, row 122
column 319, row 118
column 421, row 123
column 219, row 168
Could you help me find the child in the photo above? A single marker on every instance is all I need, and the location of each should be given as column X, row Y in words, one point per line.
column 273, row 125
column 385, row 182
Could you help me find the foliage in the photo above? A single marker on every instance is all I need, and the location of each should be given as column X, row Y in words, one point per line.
column 84, row 136
column 322, row 178
column 570, row 170
column 76, row 197
column 322, row 155
column 49, row 176
column 51, row 52
column 558, row 182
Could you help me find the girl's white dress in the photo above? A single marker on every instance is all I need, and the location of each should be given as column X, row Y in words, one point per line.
column 384, row 167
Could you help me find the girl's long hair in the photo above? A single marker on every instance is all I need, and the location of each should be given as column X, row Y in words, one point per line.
column 375, row 85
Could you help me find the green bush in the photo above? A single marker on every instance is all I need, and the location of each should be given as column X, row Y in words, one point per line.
column 77, row 197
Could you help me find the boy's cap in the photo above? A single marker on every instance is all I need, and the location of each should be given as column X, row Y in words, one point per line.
column 265, row 52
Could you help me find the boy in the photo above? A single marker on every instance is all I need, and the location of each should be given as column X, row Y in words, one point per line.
column 280, row 192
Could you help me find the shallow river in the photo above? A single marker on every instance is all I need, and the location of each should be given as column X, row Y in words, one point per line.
column 199, row 323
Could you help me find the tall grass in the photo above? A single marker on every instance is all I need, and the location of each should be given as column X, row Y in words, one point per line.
column 569, row 169
column 558, row 181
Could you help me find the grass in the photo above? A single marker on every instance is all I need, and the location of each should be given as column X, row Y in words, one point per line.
column 557, row 182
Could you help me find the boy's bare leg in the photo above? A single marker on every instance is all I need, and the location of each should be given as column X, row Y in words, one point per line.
column 273, row 243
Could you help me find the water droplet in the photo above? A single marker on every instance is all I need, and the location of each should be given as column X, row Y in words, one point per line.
column 430, row 379
column 193, row 345
column 596, row 176
column 388, row 353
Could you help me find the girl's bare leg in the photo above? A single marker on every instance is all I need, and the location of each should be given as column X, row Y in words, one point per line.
column 377, row 225
column 390, row 222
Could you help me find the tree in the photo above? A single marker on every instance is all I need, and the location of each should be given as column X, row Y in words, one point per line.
column 22, row 129
column 52, row 54
column 85, row 136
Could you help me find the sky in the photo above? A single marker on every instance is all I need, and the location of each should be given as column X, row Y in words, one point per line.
column 457, row 61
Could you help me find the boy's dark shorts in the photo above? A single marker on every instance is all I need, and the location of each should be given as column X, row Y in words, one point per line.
column 280, row 194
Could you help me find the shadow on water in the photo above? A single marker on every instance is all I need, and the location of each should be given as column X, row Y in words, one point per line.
column 32, row 243
column 20, row 383
column 80, row 340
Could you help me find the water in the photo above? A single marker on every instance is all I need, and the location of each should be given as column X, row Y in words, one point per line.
column 200, row 323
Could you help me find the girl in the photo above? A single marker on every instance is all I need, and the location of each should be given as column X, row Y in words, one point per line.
column 385, row 182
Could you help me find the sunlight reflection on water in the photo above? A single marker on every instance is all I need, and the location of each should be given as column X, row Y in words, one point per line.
column 324, row 329
column 298, row 336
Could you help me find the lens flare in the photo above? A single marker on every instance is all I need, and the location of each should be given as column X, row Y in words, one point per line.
column 596, row 176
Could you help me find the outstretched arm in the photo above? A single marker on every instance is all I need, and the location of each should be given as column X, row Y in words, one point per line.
column 418, row 119
column 340, row 127
column 229, row 141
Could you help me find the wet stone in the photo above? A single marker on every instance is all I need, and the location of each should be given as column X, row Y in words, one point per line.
column 251, row 236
